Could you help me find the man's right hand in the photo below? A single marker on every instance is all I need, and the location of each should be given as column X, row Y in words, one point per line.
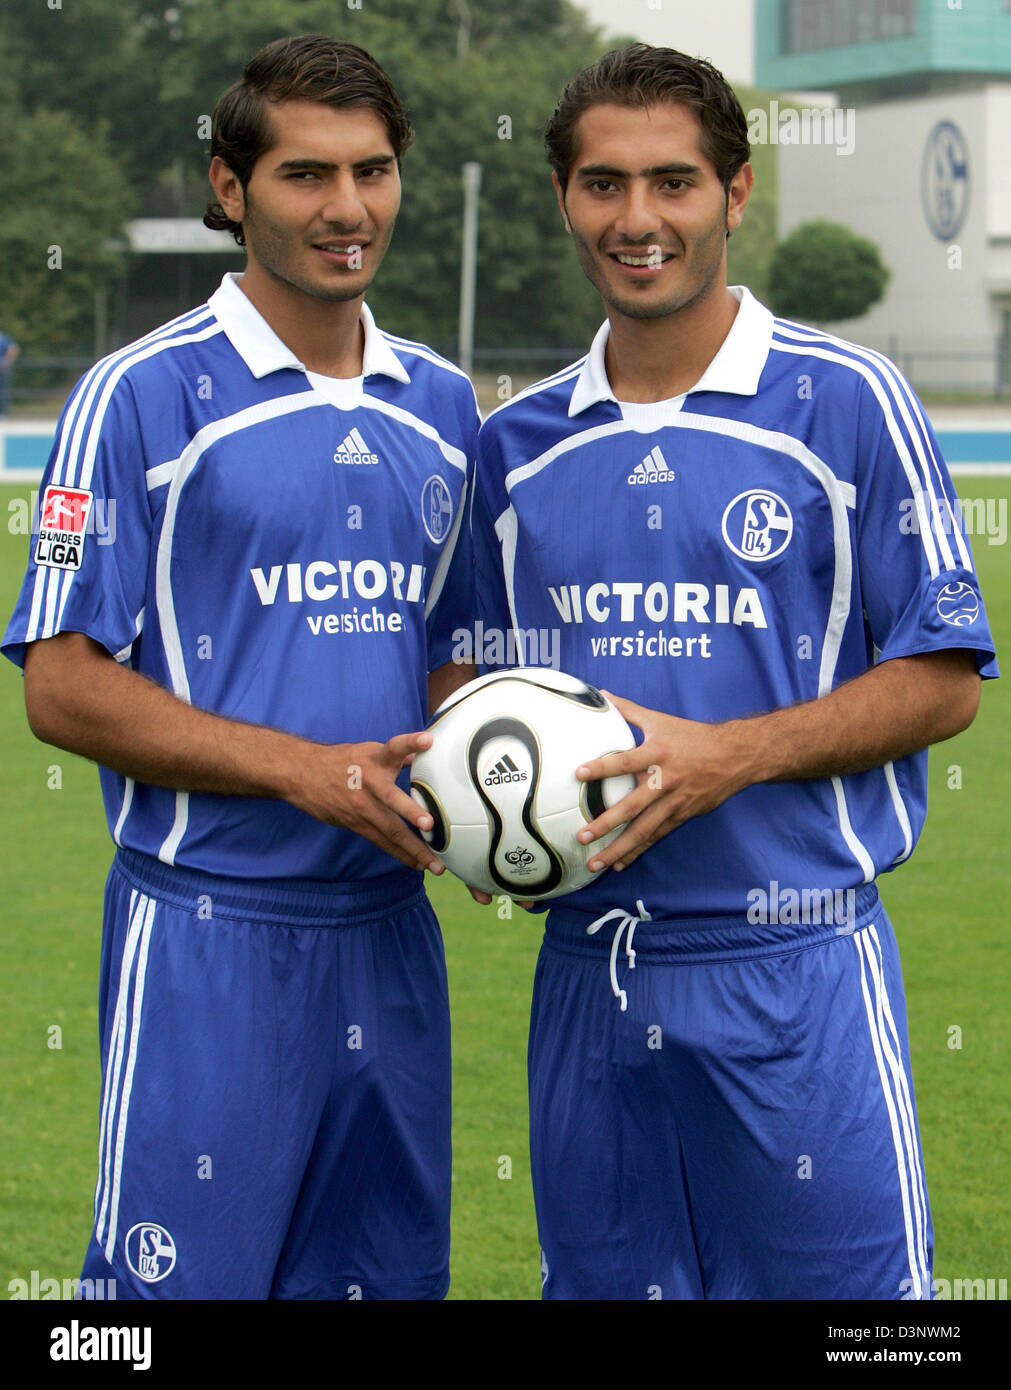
column 79, row 698
column 354, row 785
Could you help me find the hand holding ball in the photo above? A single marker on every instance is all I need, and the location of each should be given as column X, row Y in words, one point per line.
column 499, row 780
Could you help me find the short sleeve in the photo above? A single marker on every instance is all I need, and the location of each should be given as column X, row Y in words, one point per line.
column 918, row 580
column 89, row 556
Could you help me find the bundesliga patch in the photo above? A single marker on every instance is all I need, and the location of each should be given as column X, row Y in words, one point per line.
column 62, row 526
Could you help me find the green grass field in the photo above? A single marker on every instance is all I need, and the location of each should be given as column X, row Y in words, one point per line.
column 948, row 906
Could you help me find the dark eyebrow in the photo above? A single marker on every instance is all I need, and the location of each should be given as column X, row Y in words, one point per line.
column 326, row 165
column 599, row 171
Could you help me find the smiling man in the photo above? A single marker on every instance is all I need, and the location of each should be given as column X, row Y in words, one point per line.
column 708, row 508
column 249, row 664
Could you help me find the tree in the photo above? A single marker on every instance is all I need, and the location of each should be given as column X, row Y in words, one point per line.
column 750, row 249
column 140, row 79
column 823, row 272
column 64, row 198
column 97, row 61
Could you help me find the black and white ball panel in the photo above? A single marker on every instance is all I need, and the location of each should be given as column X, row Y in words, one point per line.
column 499, row 780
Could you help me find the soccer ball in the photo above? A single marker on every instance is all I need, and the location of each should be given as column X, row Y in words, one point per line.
column 499, row 780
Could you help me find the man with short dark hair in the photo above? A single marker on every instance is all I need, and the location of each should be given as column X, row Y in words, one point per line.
column 249, row 663
column 708, row 507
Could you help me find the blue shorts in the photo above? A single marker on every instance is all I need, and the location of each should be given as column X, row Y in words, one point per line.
column 744, row 1129
column 275, row 1117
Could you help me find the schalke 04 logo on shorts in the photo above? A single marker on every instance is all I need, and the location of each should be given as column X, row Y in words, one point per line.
column 150, row 1251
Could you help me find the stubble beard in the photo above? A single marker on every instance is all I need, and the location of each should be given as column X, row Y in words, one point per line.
column 271, row 245
column 702, row 268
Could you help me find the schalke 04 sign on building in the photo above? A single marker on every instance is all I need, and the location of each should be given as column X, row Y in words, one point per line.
column 945, row 180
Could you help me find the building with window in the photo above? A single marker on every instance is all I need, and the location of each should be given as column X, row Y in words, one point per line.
column 923, row 96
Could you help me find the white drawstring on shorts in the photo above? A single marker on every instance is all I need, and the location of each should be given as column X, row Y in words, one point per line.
column 628, row 923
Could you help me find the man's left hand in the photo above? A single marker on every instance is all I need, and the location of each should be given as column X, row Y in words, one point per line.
column 683, row 769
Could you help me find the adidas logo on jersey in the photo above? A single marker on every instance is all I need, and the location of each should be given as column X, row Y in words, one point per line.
column 354, row 450
column 505, row 770
column 653, row 469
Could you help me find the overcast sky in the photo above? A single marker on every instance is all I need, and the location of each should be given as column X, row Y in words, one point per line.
column 720, row 30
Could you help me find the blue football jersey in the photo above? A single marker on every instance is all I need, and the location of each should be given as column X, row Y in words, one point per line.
column 751, row 544
column 271, row 545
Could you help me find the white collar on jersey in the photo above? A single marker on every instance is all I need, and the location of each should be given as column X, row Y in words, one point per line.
column 735, row 368
column 262, row 350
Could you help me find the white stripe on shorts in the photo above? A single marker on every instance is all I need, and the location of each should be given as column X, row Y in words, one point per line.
column 896, row 1096
column 112, row 1061
column 114, row 1117
column 906, row 1101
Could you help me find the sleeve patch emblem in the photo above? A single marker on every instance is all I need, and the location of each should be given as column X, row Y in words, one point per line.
column 62, row 527
column 958, row 604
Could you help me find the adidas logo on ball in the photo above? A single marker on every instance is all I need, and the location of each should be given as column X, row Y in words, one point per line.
column 499, row 780
column 505, row 770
